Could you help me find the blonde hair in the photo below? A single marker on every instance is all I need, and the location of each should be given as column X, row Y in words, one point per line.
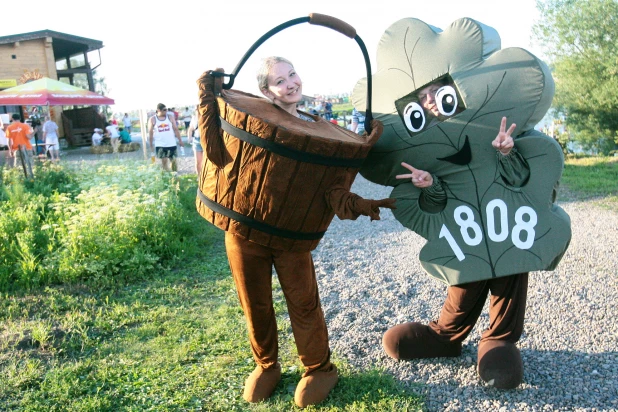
column 267, row 65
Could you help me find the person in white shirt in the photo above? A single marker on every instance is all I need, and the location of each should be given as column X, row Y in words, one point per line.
column 193, row 135
column 97, row 137
column 186, row 117
column 163, row 133
column 4, row 142
column 50, row 136
column 126, row 120
column 112, row 132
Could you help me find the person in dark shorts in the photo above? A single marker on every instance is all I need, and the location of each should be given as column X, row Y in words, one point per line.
column 163, row 133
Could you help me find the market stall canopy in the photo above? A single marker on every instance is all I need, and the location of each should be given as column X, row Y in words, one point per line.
column 46, row 91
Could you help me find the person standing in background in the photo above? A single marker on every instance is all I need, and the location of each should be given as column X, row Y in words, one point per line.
column 19, row 135
column 4, row 142
column 126, row 121
column 50, row 136
column 163, row 133
column 328, row 110
column 35, row 122
column 186, row 117
column 358, row 122
column 112, row 132
column 193, row 136
column 175, row 114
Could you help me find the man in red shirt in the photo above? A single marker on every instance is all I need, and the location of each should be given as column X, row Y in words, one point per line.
column 19, row 135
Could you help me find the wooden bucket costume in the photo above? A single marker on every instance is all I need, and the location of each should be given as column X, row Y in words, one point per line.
column 273, row 169
column 487, row 229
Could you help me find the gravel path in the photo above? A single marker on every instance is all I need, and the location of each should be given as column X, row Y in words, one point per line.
column 370, row 279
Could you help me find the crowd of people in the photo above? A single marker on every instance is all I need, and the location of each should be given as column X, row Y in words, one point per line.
column 41, row 138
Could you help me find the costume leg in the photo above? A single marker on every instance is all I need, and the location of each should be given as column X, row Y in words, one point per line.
column 298, row 282
column 251, row 266
column 462, row 308
column 499, row 360
column 441, row 338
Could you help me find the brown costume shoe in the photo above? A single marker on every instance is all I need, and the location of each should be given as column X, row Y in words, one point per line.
column 314, row 388
column 499, row 364
column 416, row 341
column 261, row 383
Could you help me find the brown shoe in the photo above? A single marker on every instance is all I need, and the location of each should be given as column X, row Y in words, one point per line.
column 417, row 341
column 314, row 388
column 499, row 364
column 261, row 383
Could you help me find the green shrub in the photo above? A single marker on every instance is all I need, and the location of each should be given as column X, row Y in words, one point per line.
column 115, row 223
column 48, row 178
column 21, row 240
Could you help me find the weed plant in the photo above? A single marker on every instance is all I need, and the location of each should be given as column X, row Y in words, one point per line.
column 113, row 223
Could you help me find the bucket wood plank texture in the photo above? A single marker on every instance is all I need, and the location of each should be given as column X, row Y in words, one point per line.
column 271, row 188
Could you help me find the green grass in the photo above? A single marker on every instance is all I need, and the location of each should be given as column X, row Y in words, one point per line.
column 592, row 178
column 343, row 107
column 174, row 342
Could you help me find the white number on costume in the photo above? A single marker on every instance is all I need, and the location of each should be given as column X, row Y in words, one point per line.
column 468, row 223
column 464, row 217
column 491, row 223
column 524, row 226
column 444, row 232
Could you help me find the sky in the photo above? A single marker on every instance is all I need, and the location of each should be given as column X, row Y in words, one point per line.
column 154, row 51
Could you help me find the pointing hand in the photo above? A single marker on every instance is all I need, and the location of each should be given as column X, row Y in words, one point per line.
column 420, row 178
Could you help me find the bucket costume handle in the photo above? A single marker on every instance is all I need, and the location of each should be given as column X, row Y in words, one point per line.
column 319, row 20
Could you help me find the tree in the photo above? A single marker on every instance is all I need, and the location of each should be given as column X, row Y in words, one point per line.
column 100, row 86
column 580, row 38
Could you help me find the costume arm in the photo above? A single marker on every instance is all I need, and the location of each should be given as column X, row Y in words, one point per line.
column 348, row 205
column 208, row 119
column 513, row 168
column 433, row 198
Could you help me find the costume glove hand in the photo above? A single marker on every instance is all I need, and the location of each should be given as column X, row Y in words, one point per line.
column 371, row 207
column 211, row 83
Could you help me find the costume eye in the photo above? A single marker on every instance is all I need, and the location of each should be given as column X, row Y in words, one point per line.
column 414, row 117
column 446, row 100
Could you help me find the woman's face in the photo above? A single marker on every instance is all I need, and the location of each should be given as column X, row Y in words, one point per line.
column 427, row 98
column 284, row 85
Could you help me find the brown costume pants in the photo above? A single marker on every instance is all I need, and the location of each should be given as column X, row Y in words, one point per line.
column 251, row 266
column 464, row 303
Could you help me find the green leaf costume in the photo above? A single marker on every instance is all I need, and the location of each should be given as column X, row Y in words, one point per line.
column 488, row 228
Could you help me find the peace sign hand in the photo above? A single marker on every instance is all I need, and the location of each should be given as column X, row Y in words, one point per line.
column 504, row 142
column 420, row 178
